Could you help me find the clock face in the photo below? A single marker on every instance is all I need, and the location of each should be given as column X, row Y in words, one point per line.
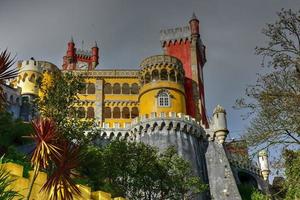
column 82, row 65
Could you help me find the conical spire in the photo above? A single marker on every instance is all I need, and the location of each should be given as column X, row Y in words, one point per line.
column 194, row 17
column 71, row 40
column 95, row 44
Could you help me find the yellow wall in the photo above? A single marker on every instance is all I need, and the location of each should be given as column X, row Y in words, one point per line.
column 21, row 185
column 28, row 85
column 148, row 99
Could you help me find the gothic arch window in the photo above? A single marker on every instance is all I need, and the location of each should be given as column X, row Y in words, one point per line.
column 107, row 112
column 91, row 88
column 116, row 113
column 11, row 99
column 163, row 99
column 116, row 88
column 81, row 112
column 179, row 78
column 172, row 76
column 164, row 75
column 83, row 90
column 32, row 78
column 155, row 75
column 134, row 112
column 18, row 100
column 107, row 88
column 125, row 113
column 90, row 112
column 147, row 78
column 24, row 77
column 134, row 88
column 125, row 88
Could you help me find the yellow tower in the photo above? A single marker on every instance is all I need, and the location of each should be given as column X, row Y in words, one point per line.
column 162, row 87
column 29, row 72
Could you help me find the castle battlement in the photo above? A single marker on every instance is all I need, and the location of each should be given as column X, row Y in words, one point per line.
column 174, row 34
column 171, row 121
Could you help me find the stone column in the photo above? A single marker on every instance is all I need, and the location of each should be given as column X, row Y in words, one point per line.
column 99, row 100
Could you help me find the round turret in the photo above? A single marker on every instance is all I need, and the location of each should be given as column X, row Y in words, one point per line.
column 29, row 72
column 220, row 124
column 162, row 87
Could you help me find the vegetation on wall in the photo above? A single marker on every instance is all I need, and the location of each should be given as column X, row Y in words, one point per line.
column 12, row 132
column 138, row 171
column 58, row 102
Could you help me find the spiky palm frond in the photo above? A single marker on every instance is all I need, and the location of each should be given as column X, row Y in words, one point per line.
column 46, row 138
column 6, row 62
column 5, row 181
column 6, row 73
column 60, row 184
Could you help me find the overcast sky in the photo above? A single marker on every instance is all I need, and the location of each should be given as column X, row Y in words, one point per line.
column 128, row 31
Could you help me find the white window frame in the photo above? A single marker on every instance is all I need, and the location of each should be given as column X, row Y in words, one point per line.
column 163, row 99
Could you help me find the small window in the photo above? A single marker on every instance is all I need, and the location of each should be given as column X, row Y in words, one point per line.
column 163, row 99
column 91, row 88
column 107, row 88
column 90, row 112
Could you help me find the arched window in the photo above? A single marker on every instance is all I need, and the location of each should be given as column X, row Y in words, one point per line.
column 32, row 78
column 163, row 99
column 164, row 75
column 116, row 112
column 125, row 88
column 172, row 76
column 134, row 88
column 147, row 78
column 134, row 112
column 179, row 78
column 155, row 75
column 83, row 90
column 11, row 99
column 91, row 88
column 116, row 88
column 24, row 77
column 107, row 88
column 81, row 112
column 90, row 112
column 125, row 113
column 107, row 112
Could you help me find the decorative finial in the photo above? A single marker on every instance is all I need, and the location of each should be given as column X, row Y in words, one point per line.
column 72, row 41
column 95, row 45
column 219, row 109
column 194, row 17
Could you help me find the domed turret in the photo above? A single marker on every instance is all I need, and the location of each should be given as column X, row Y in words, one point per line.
column 220, row 124
column 162, row 87
column 264, row 164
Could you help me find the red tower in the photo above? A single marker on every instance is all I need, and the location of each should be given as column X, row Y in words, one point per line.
column 80, row 59
column 185, row 43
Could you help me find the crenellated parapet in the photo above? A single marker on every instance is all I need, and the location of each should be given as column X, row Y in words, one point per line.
column 245, row 165
column 161, row 68
column 145, row 124
column 179, row 34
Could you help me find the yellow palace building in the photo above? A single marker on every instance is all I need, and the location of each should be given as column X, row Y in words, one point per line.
column 161, row 104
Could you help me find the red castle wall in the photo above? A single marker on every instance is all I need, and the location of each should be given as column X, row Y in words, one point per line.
column 183, row 52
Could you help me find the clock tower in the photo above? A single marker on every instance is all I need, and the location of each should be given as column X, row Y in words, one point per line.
column 79, row 59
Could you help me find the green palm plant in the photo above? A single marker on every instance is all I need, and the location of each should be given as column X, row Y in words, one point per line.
column 46, row 139
column 6, row 63
column 60, row 184
column 5, row 181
